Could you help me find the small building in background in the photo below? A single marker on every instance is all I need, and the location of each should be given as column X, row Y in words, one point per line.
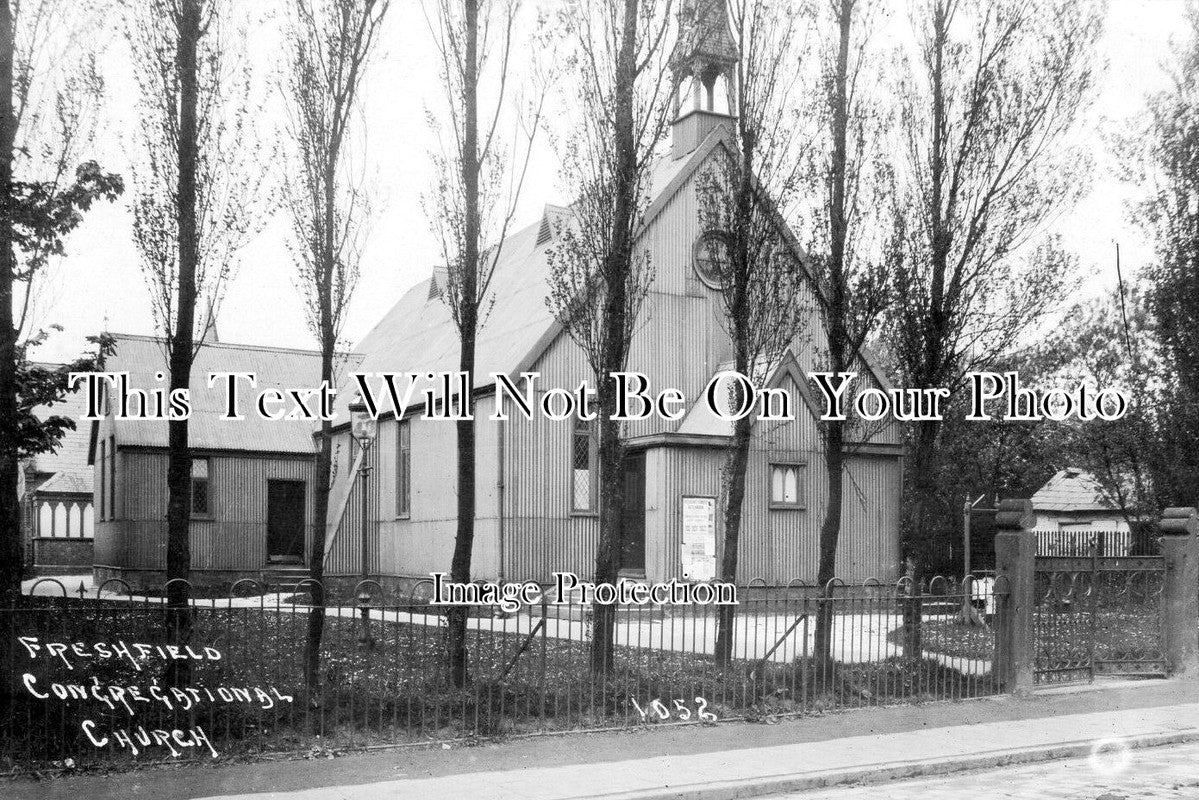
column 251, row 499
column 57, row 516
column 1072, row 508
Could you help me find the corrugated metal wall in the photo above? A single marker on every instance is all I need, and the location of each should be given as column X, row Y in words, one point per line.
column 541, row 535
column 345, row 545
column 422, row 541
column 777, row 545
column 679, row 342
column 235, row 536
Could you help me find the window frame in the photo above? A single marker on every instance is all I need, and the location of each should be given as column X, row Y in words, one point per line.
column 801, row 501
column 103, row 479
column 207, row 479
column 403, row 473
column 588, row 427
column 112, row 477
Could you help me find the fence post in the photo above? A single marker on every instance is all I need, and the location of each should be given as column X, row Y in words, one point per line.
column 1015, row 561
column 1180, row 595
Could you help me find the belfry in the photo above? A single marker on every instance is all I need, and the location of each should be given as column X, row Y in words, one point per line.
column 703, row 72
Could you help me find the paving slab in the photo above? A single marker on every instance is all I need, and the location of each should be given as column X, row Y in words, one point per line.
column 686, row 761
column 807, row 765
column 1170, row 772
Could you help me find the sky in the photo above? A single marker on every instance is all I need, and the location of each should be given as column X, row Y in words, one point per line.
column 99, row 284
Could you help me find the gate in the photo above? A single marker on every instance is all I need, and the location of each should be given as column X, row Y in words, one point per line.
column 1098, row 614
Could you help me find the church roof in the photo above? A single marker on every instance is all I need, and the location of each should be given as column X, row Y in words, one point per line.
column 418, row 333
column 67, row 463
column 279, row 367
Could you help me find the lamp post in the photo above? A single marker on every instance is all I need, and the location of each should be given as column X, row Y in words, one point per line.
column 364, row 428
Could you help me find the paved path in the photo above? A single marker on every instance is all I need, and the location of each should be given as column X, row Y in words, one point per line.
column 722, row 775
column 1110, row 774
column 581, row 765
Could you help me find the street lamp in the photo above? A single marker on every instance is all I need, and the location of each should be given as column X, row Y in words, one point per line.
column 364, row 427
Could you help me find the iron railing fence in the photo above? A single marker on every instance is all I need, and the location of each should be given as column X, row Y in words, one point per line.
column 96, row 679
column 1108, row 541
column 1098, row 606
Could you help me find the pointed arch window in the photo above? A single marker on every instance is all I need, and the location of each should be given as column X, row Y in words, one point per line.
column 787, row 485
column 403, row 469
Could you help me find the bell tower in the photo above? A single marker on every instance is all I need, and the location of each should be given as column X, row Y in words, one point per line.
column 703, row 70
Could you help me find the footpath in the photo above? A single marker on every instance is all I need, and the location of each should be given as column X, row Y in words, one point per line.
column 720, row 762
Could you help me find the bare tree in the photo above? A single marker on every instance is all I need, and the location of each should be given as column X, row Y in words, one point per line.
column 198, row 175
column 48, row 95
column 471, row 203
column 849, row 181
column 985, row 108
column 765, row 294
column 601, row 271
column 49, row 91
column 329, row 46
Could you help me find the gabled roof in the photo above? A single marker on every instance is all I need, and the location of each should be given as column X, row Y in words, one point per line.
column 73, row 481
column 700, row 419
column 282, row 368
column 419, row 333
column 1072, row 490
column 68, row 463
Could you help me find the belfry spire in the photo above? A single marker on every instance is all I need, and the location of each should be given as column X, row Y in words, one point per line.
column 704, row 60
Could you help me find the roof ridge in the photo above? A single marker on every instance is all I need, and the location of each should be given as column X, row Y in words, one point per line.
column 232, row 345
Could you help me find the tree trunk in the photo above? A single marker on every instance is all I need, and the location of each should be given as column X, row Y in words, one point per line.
column 740, row 312
column 182, row 343
column 464, row 540
column 607, row 561
column 837, row 327
column 328, row 266
column 10, row 510
column 617, row 267
column 830, row 534
column 921, row 493
column 320, row 513
column 735, row 467
column 468, row 315
column 931, row 368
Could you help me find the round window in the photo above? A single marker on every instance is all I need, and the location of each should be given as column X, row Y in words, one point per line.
column 712, row 258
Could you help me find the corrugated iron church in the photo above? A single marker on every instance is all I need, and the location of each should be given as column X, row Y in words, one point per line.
column 537, row 493
column 537, row 479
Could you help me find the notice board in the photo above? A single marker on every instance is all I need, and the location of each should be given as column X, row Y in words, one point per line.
column 699, row 538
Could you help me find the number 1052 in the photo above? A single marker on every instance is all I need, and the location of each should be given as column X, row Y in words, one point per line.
column 680, row 711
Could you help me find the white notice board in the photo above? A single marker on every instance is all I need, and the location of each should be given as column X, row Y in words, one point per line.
column 699, row 538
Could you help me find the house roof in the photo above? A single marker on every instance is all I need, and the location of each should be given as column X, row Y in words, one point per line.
column 278, row 367
column 1072, row 490
column 68, row 462
column 72, row 481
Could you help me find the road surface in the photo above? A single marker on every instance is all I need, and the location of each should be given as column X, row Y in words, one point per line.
column 1113, row 773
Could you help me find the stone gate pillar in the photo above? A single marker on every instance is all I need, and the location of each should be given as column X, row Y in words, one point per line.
column 1179, row 528
column 1015, row 564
